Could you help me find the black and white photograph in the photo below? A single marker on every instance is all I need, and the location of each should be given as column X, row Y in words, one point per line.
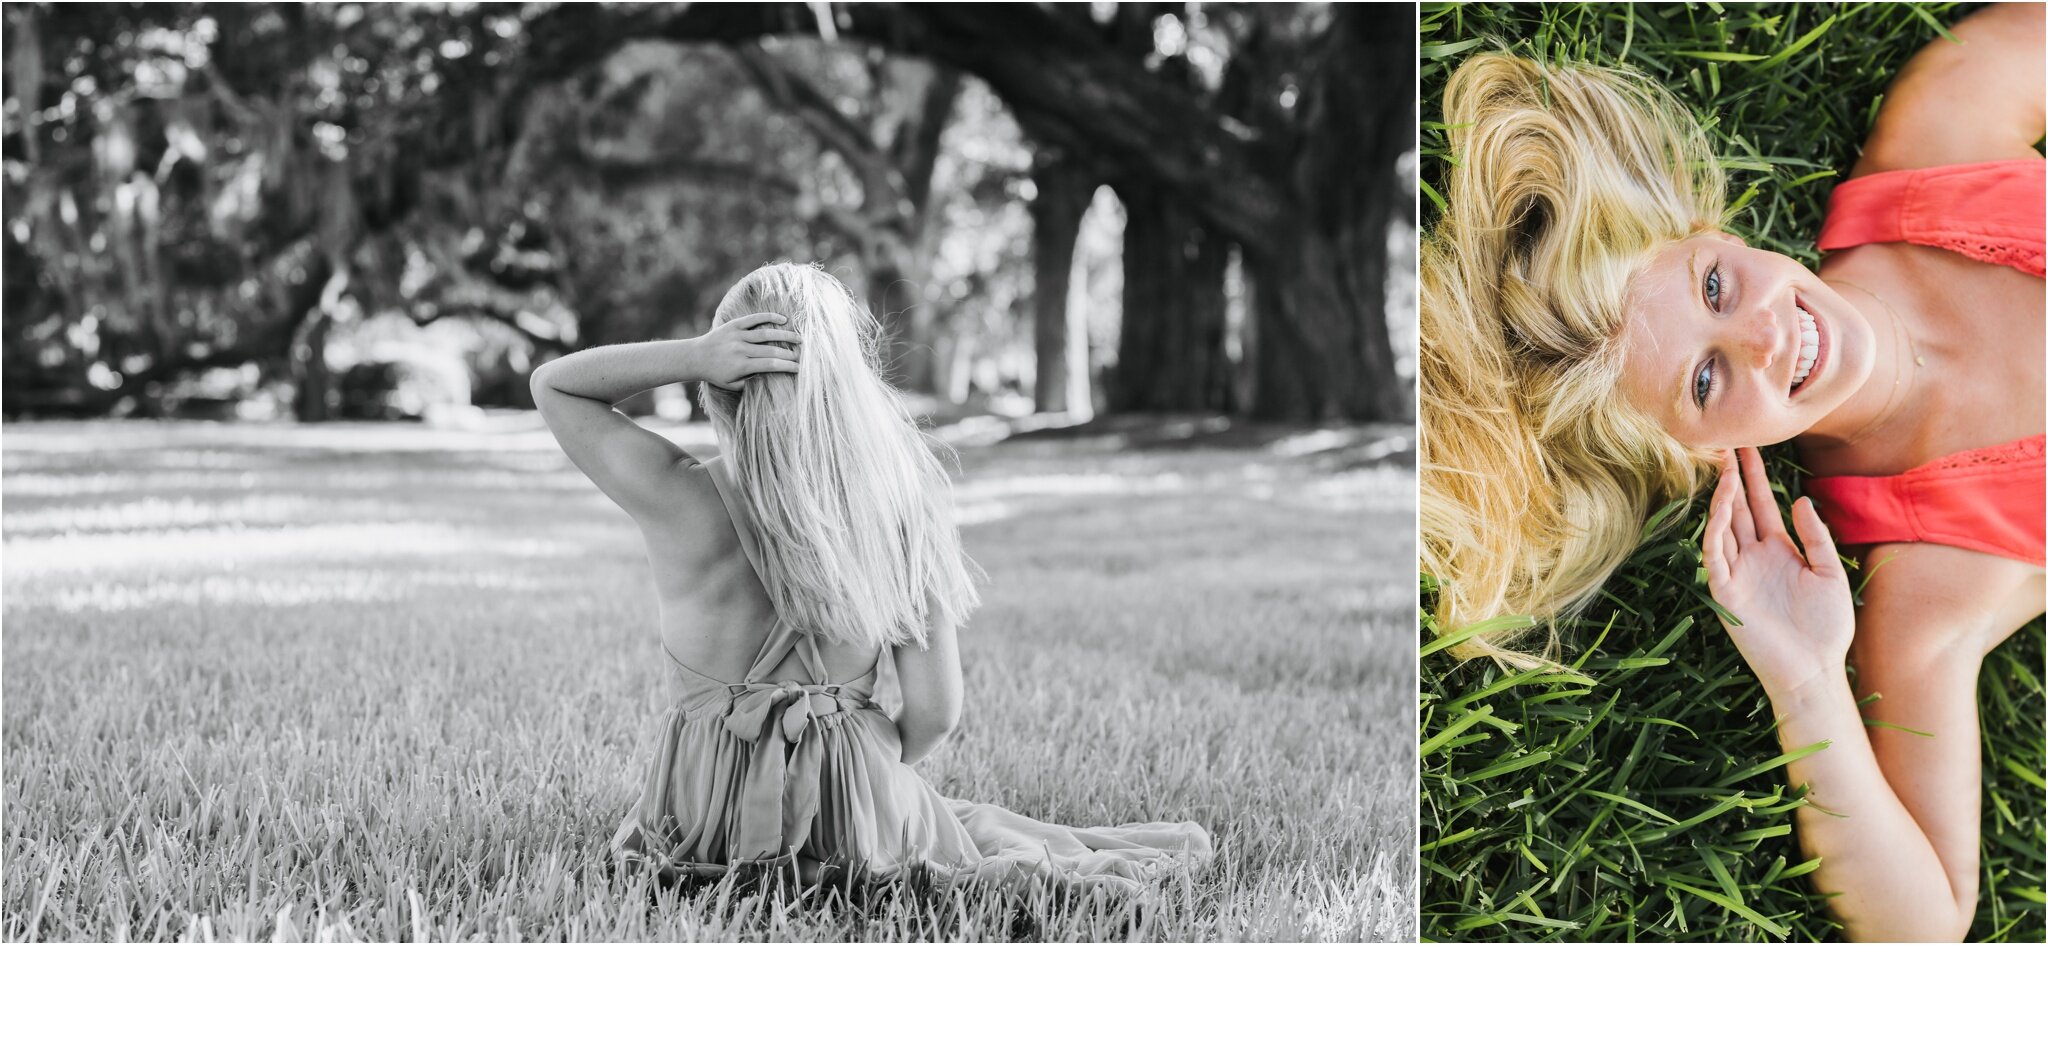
column 788, row 472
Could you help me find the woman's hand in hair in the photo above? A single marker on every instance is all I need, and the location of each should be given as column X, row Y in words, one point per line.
column 738, row 350
column 1796, row 612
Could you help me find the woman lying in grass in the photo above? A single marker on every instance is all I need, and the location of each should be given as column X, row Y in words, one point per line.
column 1593, row 346
column 784, row 571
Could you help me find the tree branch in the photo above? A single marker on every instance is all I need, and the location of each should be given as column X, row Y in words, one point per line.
column 1058, row 73
column 794, row 94
column 919, row 152
column 628, row 171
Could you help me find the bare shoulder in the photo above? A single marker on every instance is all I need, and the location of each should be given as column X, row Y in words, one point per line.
column 1922, row 600
column 685, row 522
column 1973, row 99
column 671, row 496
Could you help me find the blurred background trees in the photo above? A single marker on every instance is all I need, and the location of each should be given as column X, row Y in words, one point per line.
column 367, row 210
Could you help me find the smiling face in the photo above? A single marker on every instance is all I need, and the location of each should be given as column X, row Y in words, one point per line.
column 1730, row 346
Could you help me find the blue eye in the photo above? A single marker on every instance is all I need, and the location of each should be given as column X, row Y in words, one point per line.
column 1713, row 287
column 1703, row 384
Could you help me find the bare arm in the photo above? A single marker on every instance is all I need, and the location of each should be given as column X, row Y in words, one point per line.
column 633, row 466
column 931, row 691
column 1893, row 823
column 1975, row 99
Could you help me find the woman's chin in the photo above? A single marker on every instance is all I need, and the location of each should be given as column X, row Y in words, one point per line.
column 1772, row 437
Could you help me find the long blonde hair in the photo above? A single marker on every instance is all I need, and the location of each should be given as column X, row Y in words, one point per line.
column 1536, row 473
column 853, row 506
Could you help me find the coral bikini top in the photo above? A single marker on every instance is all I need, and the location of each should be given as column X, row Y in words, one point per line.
column 1991, row 499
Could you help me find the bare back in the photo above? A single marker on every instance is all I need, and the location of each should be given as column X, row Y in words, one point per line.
column 714, row 611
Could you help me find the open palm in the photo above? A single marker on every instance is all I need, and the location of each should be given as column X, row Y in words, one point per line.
column 1796, row 613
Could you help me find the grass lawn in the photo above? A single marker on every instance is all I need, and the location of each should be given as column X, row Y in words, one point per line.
column 1649, row 804
column 385, row 683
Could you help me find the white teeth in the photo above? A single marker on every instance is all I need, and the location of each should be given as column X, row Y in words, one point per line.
column 1809, row 347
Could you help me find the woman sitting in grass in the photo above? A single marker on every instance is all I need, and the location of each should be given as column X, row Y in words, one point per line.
column 785, row 570
column 1594, row 346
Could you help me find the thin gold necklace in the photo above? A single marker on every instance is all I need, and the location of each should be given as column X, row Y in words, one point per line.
column 1904, row 335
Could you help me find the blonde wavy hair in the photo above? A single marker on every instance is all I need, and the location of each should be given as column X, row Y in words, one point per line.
column 854, row 508
column 1537, row 474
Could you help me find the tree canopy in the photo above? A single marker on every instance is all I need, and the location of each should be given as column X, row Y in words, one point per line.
column 193, row 187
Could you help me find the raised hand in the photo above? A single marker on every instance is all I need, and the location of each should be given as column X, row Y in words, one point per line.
column 1796, row 612
column 752, row 344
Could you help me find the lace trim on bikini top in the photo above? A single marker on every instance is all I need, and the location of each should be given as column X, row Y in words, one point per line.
column 1991, row 212
column 2019, row 451
column 1993, row 500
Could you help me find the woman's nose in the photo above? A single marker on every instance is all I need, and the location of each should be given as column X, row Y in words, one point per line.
column 1763, row 338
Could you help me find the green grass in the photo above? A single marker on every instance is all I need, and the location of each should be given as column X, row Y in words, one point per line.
column 1648, row 804
column 377, row 682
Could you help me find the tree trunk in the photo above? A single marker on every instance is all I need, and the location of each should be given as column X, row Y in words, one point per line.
column 1324, row 348
column 1059, row 296
column 309, row 366
column 1170, row 354
column 309, row 347
column 898, row 305
column 1304, row 366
